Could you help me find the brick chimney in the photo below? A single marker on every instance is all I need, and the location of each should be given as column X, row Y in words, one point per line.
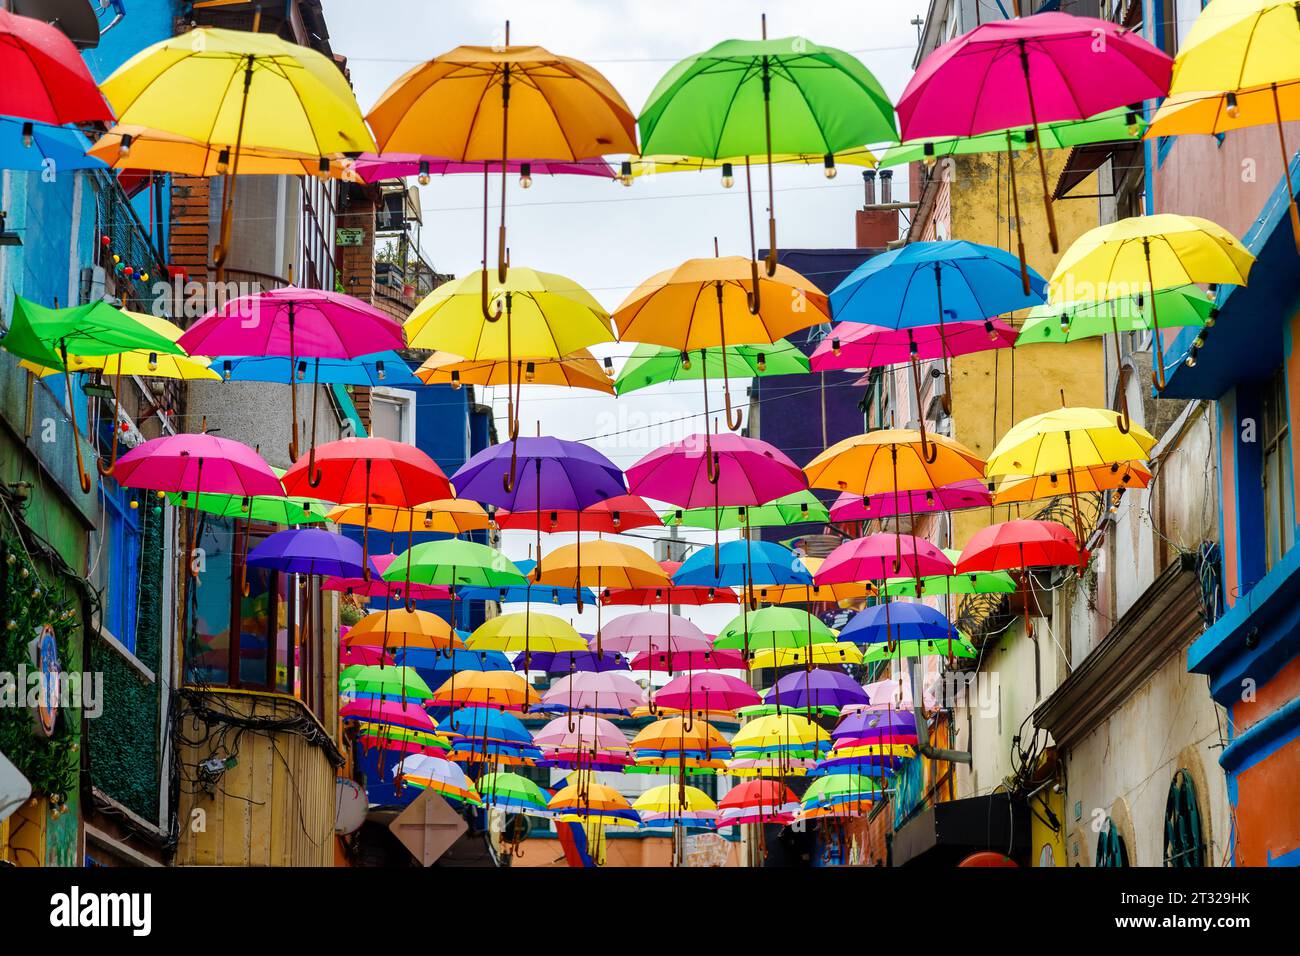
column 876, row 228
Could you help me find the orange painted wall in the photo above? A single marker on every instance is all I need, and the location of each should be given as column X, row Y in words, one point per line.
column 1282, row 689
column 1267, row 811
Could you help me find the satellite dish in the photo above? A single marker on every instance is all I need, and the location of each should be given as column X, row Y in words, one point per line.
column 76, row 18
column 14, row 787
column 350, row 806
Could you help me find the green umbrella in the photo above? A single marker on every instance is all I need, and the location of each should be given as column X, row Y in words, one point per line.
column 799, row 508
column 653, row 364
column 834, row 787
column 773, row 627
column 274, row 509
column 1115, row 125
column 388, row 679
column 512, row 791
column 756, row 97
column 957, row 648
column 767, row 710
column 982, row 582
column 454, row 562
column 405, row 734
column 1184, row 305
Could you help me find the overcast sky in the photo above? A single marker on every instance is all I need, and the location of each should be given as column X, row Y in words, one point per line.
column 607, row 237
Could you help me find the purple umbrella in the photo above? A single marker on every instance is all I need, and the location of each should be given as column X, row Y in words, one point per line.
column 372, row 167
column 873, row 726
column 539, row 475
column 568, row 662
column 816, row 687
column 308, row 551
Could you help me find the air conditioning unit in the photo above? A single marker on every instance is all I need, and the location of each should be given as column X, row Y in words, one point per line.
column 94, row 284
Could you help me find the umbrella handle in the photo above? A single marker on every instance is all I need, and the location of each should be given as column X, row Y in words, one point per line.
column 486, row 304
column 929, row 449
column 117, row 404
column 753, row 298
column 711, row 469
column 770, row 261
column 740, row 415
column 1020, row 236
column 76, row 438
column 314, row 475
column 508, row 479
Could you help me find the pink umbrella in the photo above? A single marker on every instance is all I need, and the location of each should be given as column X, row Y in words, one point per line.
column 649, row 632
column 372, row 167
column 1039, row 69
column 377, row 587
column 955, row 497
column 880, row 556
column 710, row 660
column 586, row 730
column 297, row 323
column 371, row 710
column 604, row 692
column 363, row 655
column 854, row 345
column 375, row 742
column 705, row 693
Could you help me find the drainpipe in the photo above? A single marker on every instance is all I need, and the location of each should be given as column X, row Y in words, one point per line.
column 923, row 745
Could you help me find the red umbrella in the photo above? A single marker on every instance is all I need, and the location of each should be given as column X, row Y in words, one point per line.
column 1021, row 545
column 653, row 597
column 612, row 516
column 45, row 78
column 758, row 801
column 369, row 471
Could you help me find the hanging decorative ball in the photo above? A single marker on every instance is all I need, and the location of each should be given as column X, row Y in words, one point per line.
column 10, row 559
column 116, row 257
column 24, row 573
column 119, row 267
column 144, row 277
column 135, row 505
column 104, row 240
column 129, row 270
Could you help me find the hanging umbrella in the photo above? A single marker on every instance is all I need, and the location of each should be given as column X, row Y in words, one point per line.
column 705, row 694
column 654, row 364
column 504, row 690
column 780, row 734
column 1026, row 71
column 1150, row 253
column 387, row 712
column 32, row 147
column 814, row 689
column 527, row 593
column 606, row 692
column 672, row 594
column 654, row 165
column 694, row 660
column 569, row 662
column 502, row 103
column 812, row 593
column 957, row 496
column 702, row 303
column 677, row 806
column 46, row 79
column 378, row 587
column 270, row 509
column 444, row 516
column 1022, row 545
column 670, row 739
column 743, row 564
column 802, row 507
column 833, row 654
column 765, row 97
column 377, row 167
column 297, row 324
column 399, row 627
column 440, row 776
column 958, row 648
column 857, row 345
column 907, row 620
column 880, row 556
column 399, row 682
column 130, row 146
column 454, row 563
column 757, row 801
column 647, row 633
column 143, row 362
column 526, row 632
column 578, row 370
column 895, row 726
column 1111, row 477
column 309, row 551
column 513, row 792
column 235, row 90
column 935, row 283
column 387, row 369
column 979, row 582
column 585, row 801
column 368, row 471
column 1237, row 68
column 893, row 461
column 611, row 516
column 1179, row 307
column 607, row 564
column 773, row 627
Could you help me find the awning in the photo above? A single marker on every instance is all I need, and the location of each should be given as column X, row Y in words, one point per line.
column 1083, row 161
column 947, row 833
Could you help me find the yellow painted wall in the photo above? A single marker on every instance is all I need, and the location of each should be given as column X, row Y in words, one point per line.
column 1041, row 835
column 275, row 807
column 978, row 198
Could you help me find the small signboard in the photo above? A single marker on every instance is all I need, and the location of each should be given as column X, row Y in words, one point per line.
column 45, row 650
column 349, row 237
column 428, row 827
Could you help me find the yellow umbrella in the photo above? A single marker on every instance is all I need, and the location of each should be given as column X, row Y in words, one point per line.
column 478, row 104
column 827, row 653
column 235, row 90
column 526, row 631
column 546, row 316
column 1145, row 254
column 1238, row 66
column 579, row 370
column 703, row 303
column 653, row 165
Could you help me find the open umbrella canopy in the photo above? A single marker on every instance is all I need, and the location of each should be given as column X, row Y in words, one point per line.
column 378, row 587
column 820, row 687
column 544, row 473
column 131, row 146
column 880, row 556
column 672, row 804
column 582, row 799
column 780, row 732
column 308, row 551
column 658, row 596
column 485, row 724
column 197, row 463
column 512, row 791
column 1178, row 307
column 653, row 364
column 673, row 736
column 773, row 627
column 583, row 730
column 742, row 562
column 398, row 627
column 895, row 621
column 653, row 165
column 608, row 692
column 611, row 516
column 274, row 509
column 527, row 593
column 232, row 87
column 979, row 582
column 959, row 647
column 748, row 472
column 694, row 660
column 386, row 369
column 46, row 79
column 504, row 690
column 439, row 775
column 1063, row 439
column 892, row 461
column 42, row 335
column 602, row 564
column 798, row 508
column 881, row 727
column 1237, row 44
column 857, row 345
column 567, row 662
column 828, row 653
column 376, row 167
column 445, row 515
column 454, row 562
column 368, row 471
column 958, row 496
column 1011, row 545
column 811, row 593
column 526, row 631
column 705, row 693
column 379, row 711
column 654, row 633
column 386, row 681
column 577, row 370
column 757, row 801
column 1105, row 477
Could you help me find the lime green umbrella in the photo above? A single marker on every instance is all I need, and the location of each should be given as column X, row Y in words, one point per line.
column 759, row 97
column 1181, row 306
column 767, row 710
column 1114, row 125
column 47, row 336
column 454, row 562
column 982, row 582
column 389, row 680
column 773, row 627
column 514, row 792
column 799, row 508
column 653, row 364
column 274, row 509
column 961, row 647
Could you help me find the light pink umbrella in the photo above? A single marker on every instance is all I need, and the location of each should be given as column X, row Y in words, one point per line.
column 372, row 167
column 855, row 345
column 651, row 632
column 295, row 323
column 955, row 497
column 604, row 692
column 705, row 693
column 880, row 556
column 585, row 730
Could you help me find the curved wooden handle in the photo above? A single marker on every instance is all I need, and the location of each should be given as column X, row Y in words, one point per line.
column 485, row 302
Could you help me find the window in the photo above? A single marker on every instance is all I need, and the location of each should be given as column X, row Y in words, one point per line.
column 392, row 414
column 118, row 563
column 1177, row 17
column 1276, row 471
column 1184, row 843
column 1111, row 851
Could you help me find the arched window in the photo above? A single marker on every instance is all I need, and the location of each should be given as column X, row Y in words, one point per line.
column 1184, row 843
column 1110, row 846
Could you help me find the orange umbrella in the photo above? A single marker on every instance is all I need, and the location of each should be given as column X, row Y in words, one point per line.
column 503, row 689
column 400, row 627
column 576, row 370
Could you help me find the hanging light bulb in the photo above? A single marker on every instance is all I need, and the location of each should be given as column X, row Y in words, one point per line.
column 530, row 371
column 323, row 169
column 866, row 502
column 728, row 176
column 1065, row 323
column 244, row 504
column 659, row 594
column 762, row 362
column 677, row 516
column 609, row 367
column 455, row 378
column 225, row 370
column 1212, row 317
column 423, row 178
column 28, row 130
column 1200, row 338
column 525, row 175
column 711, row 593
column 929, row 497
column 124, row 149
column 625, row 172
column 835, row 346
column 223, row 162
column 927, row 154
column 828, row 166
column 302, row 369
column 379, row 369
column 153, row 361
column 1190, row 361
column 911, row 346
column 1231, row 107
column 617, row 519
column 428, row 519
column 685, row 360
column 991, row 330
column 306, row 508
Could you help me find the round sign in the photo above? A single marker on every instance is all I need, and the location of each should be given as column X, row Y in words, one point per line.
column 47, row 661
column 350, row 806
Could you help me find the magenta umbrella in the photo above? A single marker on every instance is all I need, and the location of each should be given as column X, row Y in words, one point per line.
column 378, row 711
column 705, row 693
column 1047, row 68
column 880, row 556
column 954, row 497
column 295, row 323
column 855, row 345
column 372, row 167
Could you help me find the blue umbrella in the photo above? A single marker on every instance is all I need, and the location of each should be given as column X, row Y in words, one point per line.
column 61, row 147
column 379, row 368
column 898, row 621
column 486, row 723
column 743, row 562
column 308, row 551
column 527, row 593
